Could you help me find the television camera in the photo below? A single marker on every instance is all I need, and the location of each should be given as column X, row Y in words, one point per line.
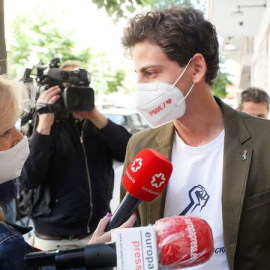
column 76, row 93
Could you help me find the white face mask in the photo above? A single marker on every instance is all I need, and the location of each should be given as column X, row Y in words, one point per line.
column 12, row 160
column 160, row 103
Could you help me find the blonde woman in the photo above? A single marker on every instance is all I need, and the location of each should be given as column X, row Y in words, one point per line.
column 14, row 150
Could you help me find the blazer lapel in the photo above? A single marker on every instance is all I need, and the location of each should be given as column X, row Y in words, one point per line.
column 163, row 144
column 236, row 165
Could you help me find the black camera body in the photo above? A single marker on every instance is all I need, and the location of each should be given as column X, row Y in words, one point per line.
column 76, row 94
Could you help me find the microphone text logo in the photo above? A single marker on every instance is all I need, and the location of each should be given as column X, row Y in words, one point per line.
column 193, row 238
column 143, row 252
column 136, row 248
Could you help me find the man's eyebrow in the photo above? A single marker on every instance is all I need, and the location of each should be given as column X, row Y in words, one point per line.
column 149, row 66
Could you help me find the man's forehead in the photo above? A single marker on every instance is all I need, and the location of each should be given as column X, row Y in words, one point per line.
column 147, row 56
column 147, row 50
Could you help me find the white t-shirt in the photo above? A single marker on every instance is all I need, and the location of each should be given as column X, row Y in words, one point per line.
column 195, row 189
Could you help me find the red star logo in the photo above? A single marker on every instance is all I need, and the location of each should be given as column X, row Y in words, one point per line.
column 158, row 180
column 136, row 165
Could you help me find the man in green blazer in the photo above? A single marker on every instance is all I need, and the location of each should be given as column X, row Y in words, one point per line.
column 220, row 156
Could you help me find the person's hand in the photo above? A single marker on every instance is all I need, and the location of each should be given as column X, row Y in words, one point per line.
column 95, row 116
column 46, row 120
column 100, row 236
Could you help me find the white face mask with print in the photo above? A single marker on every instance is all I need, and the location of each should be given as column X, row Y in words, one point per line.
column 161, row 102
column 12, row 160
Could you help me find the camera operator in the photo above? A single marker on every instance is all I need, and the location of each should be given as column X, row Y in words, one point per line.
column 70, row 169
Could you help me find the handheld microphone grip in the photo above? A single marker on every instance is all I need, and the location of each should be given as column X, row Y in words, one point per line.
column 144, row 179
column 128, row 206
column 93, row 256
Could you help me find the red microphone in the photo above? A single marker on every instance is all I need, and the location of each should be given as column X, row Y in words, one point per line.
column 174, row 242
column 145, row 178
column 183, row 241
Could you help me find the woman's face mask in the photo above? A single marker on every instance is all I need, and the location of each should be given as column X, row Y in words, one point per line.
column 160, row 103
column 12, row 160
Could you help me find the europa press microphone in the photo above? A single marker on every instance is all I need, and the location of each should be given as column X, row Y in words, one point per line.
column 174, row 242
column 144, row 179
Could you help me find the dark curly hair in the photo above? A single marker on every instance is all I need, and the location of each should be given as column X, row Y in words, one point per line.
column 180, row 32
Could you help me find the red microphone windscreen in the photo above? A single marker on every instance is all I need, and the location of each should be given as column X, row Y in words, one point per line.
column 183, row 241
column 147, row 175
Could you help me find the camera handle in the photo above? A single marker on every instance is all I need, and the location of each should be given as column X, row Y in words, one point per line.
column 42, row 108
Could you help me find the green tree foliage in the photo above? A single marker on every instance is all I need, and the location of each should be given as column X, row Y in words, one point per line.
column 105, row 78
column 39, row 39
column 122, row 8
column 115, row 82
column 222, row 80
column 166, row 3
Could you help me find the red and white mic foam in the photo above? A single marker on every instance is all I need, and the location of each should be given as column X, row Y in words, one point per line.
column 183, row 241
column 147, row 175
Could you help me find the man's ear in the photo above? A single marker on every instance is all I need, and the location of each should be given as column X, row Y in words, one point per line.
column 199, row 69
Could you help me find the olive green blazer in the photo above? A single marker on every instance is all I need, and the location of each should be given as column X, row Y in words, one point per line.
column 246, row 185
